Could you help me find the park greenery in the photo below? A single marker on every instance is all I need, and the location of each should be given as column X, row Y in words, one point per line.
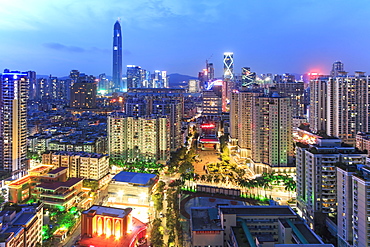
column 156, row 232
column 137, row 166
column 59, row 218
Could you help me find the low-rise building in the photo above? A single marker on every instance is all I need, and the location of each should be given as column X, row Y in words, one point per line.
column 22, row 228
column 80, row 164
column 60, row 194
column 262, row 226
column 131, row 188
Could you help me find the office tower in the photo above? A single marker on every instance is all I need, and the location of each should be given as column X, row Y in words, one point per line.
column 293, row 90
column 13, row 124
column 134, row 76
column 229, row 65
column 32, row 88
column 316, row 176
column 117, row 59
column 193, row 86
column 338, row 66
column 248, row 77
column 241, row 119
column 103, row 85
column 139, row 138
column 272, row 142
column 210, row 71
column 159, row 79
column 83, row 93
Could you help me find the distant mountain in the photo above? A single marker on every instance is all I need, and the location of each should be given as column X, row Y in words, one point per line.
column 177, row 80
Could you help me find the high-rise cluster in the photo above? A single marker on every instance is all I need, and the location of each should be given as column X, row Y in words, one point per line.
column 138, row 77
column 340, row 105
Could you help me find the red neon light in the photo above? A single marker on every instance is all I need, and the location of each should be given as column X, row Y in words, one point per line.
column 207, row 126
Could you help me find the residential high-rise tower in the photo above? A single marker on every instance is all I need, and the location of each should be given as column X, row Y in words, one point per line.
column 13, row 120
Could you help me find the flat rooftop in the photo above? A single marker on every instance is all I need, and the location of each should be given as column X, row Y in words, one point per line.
column 40, row 168
column 134, row 178
column 59, row 169
column 205, row 219
column 20, row 181
column 108, row 211
column 258, row 210
column 55, row 185
column 23, row 219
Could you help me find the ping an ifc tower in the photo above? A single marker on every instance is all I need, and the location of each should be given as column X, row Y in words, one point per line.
column 117, row 59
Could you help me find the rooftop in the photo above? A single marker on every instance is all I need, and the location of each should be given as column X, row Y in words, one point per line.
column 258, row 210
column 59, row 169
column 81, row 154
column 108, row 211
column 55, row 185
column 134, row 178
column 23, row 219
column 205, row 219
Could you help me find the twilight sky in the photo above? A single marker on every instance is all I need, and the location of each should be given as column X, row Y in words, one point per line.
column 270, row 36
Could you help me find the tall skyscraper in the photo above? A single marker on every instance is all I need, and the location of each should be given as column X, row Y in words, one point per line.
column 229, row 65
column 272, row 142
column 248, row 77
column 32, row 89
column 339, row 106
column 241, row 119
column 117, row 59
column 210, row 71
column 133, row 76
column 13, row 120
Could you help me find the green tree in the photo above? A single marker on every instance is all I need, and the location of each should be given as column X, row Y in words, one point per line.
column 156, row 235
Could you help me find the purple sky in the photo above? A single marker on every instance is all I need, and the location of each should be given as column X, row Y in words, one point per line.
column 270, row 36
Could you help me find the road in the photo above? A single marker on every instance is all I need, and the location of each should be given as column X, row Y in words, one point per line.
column 71, row 239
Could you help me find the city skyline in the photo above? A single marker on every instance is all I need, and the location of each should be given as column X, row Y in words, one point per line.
column 180, row 36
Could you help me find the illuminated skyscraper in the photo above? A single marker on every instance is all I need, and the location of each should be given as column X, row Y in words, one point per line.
column 272, row 142
column 248, row 77
column 339, row 106
column 210, row 71
column 229, row 65
column 117, row 59
column 13, row 120
column 133, row 76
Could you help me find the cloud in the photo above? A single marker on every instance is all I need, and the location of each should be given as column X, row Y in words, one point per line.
column 61, row 47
